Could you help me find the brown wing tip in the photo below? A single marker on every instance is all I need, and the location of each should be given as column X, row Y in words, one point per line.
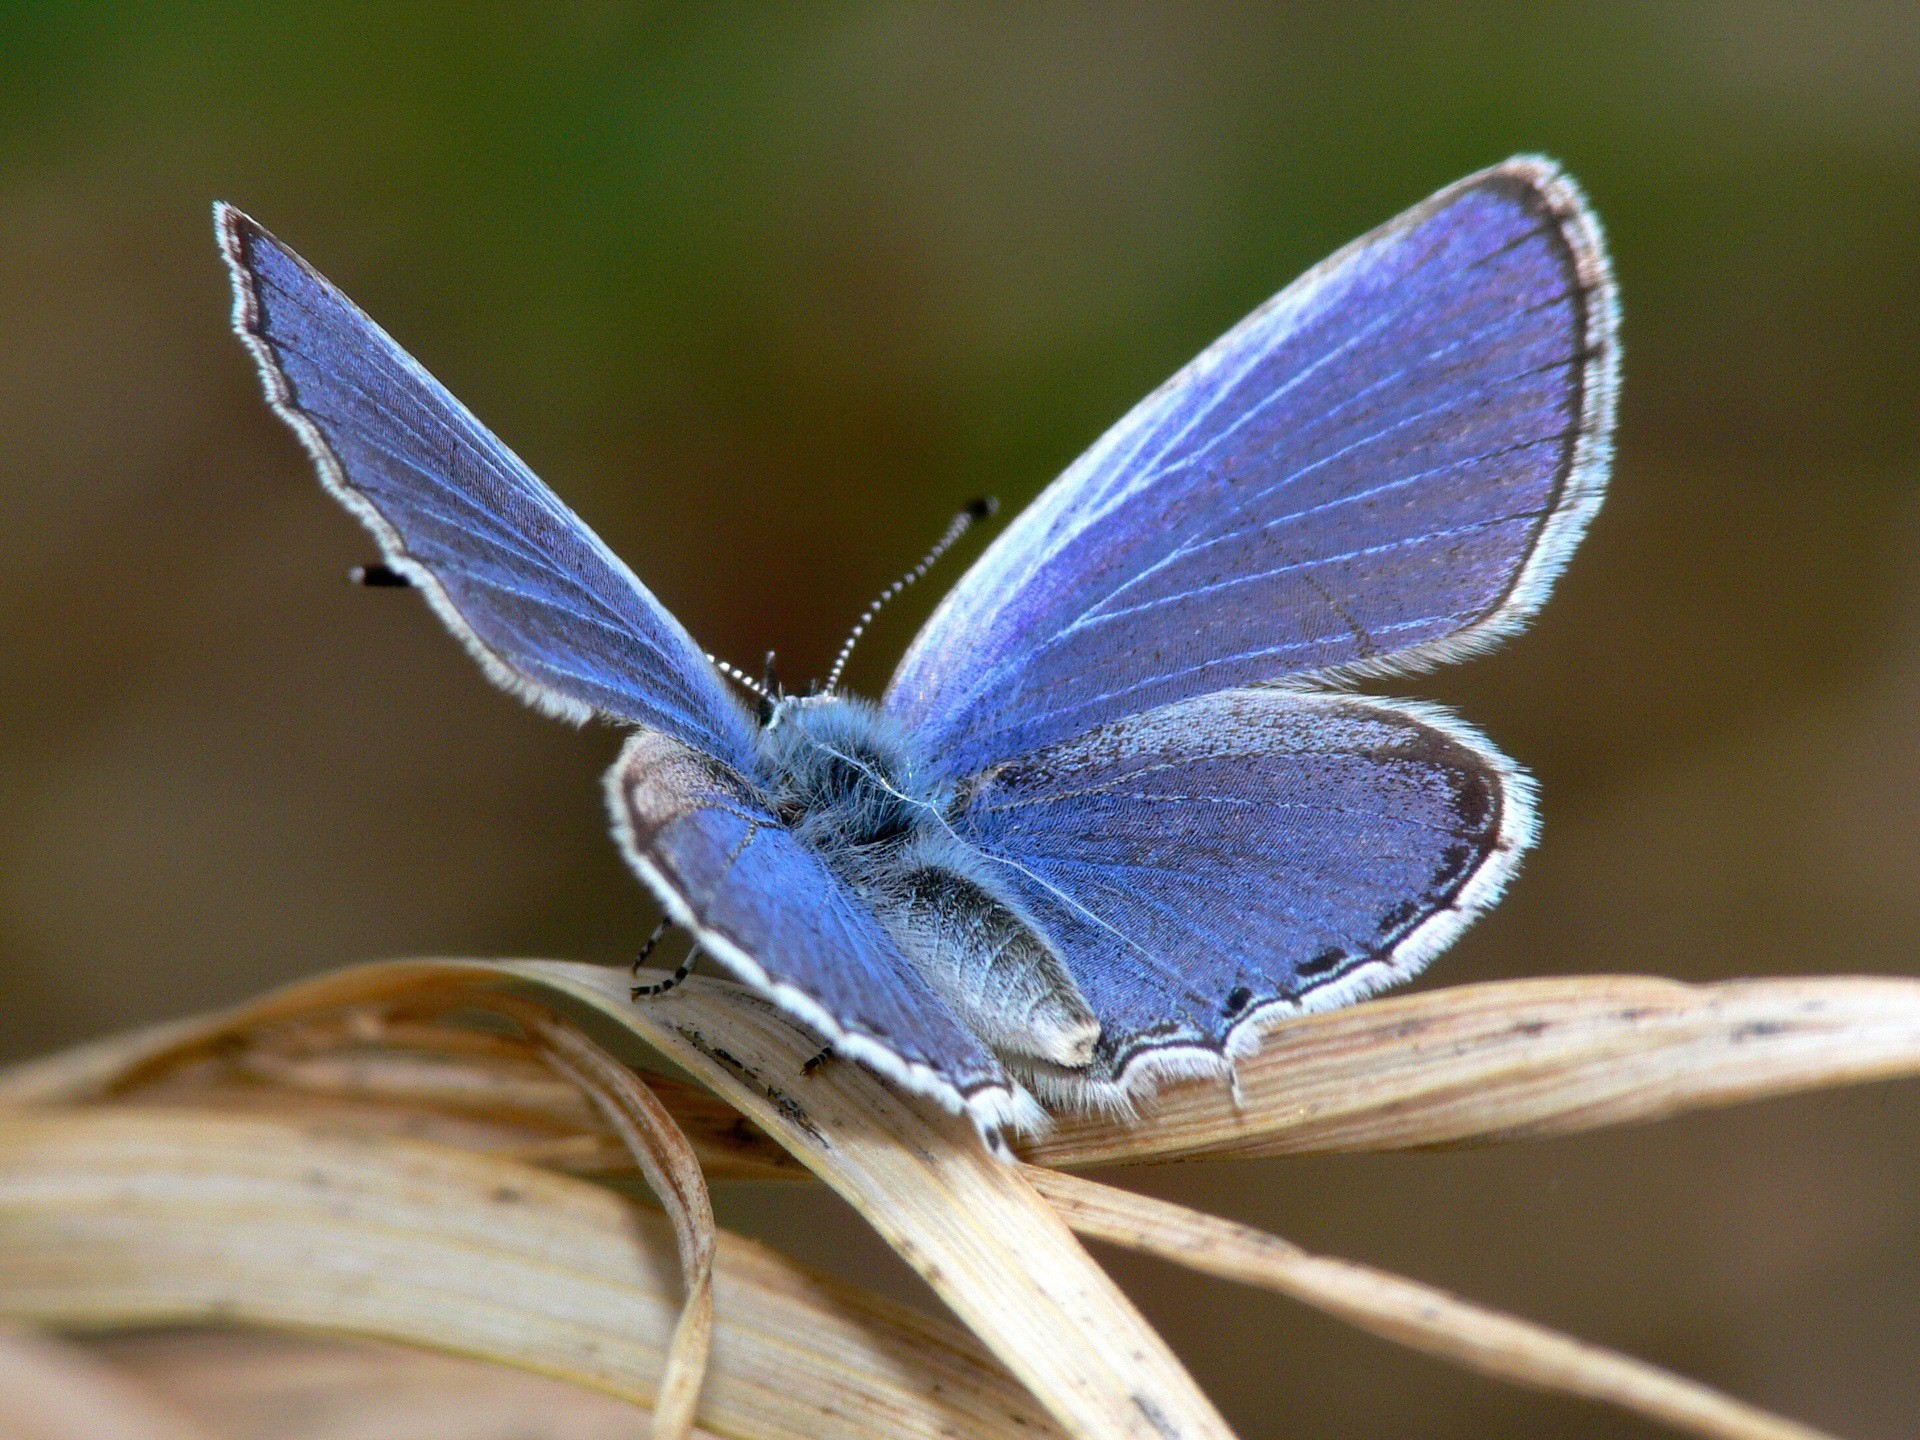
column 235, row 230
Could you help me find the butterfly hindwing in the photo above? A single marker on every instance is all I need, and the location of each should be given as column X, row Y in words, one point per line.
column 1381, row 468
column 546, row 608
column 1207, row 865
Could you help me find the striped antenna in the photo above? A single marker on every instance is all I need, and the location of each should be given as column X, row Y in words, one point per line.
column 963, row 522
column 739, row 676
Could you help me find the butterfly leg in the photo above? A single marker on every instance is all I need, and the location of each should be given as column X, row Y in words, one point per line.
column 647, row 949
column 681, row 971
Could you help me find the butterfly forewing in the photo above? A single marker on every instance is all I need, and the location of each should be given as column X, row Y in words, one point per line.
column 545, row 607
column 552, row 614
column 1380, row 467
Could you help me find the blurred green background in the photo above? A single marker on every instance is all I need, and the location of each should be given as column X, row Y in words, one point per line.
column 766, row 292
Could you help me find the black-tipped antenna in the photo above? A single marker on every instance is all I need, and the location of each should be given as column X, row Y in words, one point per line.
column 979, row 510
column 379, row 576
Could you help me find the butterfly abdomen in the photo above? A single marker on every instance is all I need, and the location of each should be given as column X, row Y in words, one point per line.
column 984, row 958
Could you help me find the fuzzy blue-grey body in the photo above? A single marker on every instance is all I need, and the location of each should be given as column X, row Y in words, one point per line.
column 842, row 776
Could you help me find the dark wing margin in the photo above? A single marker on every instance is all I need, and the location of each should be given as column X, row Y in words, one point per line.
column 769, row 910
column 1383, row 468
column 547, row 610
column 1209, row 867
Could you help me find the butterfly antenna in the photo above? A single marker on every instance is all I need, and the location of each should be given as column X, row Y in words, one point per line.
column 379, row 577
column 739, row 677
column 963, row 522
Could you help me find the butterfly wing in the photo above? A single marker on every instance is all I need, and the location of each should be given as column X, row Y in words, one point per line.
column 549, row 612
column 767, row 907
column 553, row 615
column 1206, row 866
column 1382, row 468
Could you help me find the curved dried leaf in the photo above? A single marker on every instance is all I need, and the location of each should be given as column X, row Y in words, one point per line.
column 1407, row 1312
column 1506, row 1060
column 99, row 1068
column 989, row 1246
column 1518, row 1059
column 464, row 1102
column 116, row 1217
column 482, row 1101
column 593, row 1150
column 986, row 1243
column 1472, row 1063
column 673, row 1173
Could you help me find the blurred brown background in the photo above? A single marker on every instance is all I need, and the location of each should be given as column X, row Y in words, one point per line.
column 766, row 293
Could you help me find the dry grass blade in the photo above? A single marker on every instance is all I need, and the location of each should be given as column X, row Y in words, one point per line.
column 1471, row 1063
column 50, row 1390
column 1406, row 1312
column 127, row 1216
column 502, row 1101
column 672, row 1171
column 1518, row 1059
column 1500, row 1061
column 476, row 1101
column 987, row 1244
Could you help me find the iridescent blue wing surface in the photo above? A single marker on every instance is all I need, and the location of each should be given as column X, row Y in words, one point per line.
column 1207, row 866
column 550, row 613
column 768, row 908
column 1382, row 468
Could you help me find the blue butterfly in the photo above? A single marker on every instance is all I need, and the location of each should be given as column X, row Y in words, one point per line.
column 1116, row 812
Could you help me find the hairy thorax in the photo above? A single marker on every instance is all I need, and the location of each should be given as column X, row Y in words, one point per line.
column 843, row 778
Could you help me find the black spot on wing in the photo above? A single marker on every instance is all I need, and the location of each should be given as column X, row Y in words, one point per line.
column 1455, row 861
column 1476, row 799
column 1326, row 963
column 1396, row 918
